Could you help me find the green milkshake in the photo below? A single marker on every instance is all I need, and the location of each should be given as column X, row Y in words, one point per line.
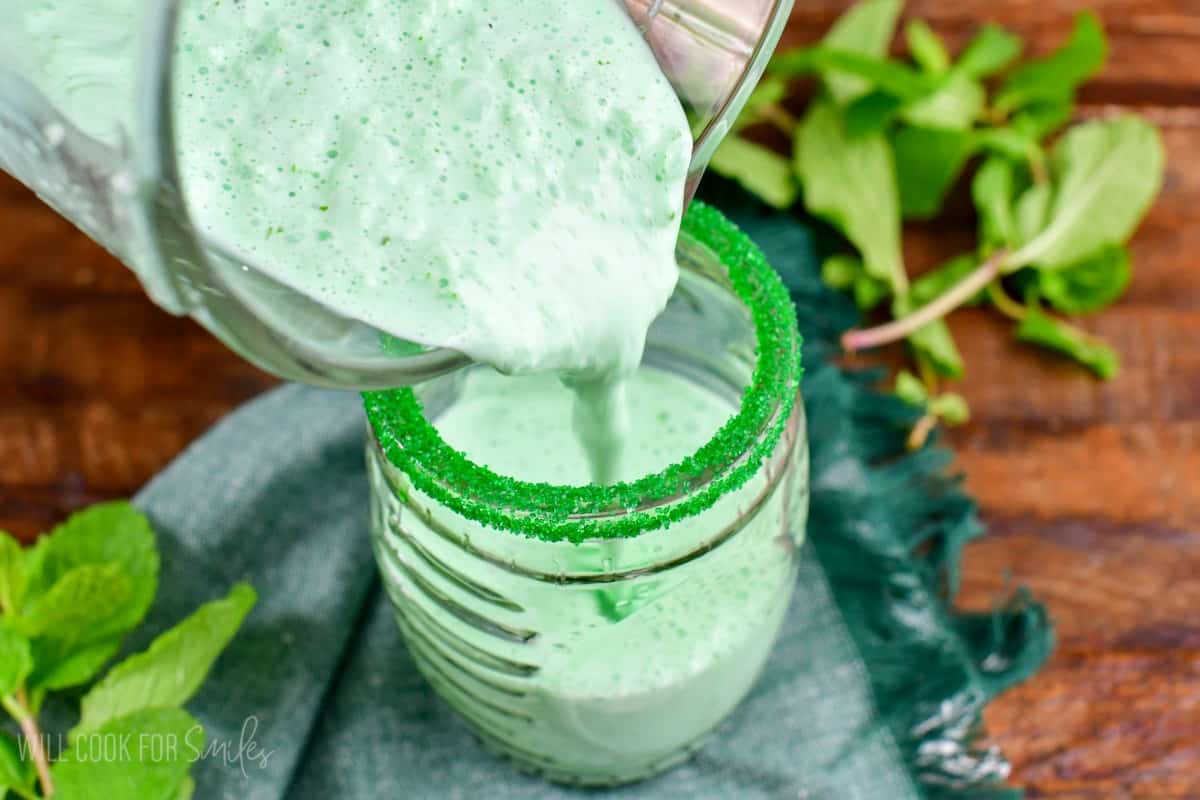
column 499, row 177
column 521, row 427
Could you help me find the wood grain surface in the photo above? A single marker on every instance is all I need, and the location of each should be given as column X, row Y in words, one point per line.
column 1091, row 490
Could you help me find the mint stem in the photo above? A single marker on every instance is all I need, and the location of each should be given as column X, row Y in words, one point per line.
column 1037, row 167
column 906, row 326
column 928, row 374
column 921, row 431
column 33, row 735
column 776, row 115
column 1005, row 304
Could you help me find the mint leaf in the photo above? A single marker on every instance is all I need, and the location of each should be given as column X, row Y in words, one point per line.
column 869, row 292
column 871, row 113
column 1041, row 329
column 1055, row 77
column 1039, row 120
column 61, row 664
column 1088, row 285
column 927, row 48
column 934, row 341
column 936, row 282
column 12, row 769
column 866, row 29
column 993, row 192
column 168, row 673
column 12, row 573
column 187, row 789
column 992, row 49
column 851, row 183
column 951, row 408
column 64, row 621
column 910, row 389
column 848, row 273
column 81, row 600
column 1032, row 209
column 770, row 91
column 892, row 77
column 760, row 171
column 928, row 162
column 15, row 660
column 153, row 752
column 956, row 105
column 1107, row 174
column 109, row 533
column 1011, row 143
column 840, row 271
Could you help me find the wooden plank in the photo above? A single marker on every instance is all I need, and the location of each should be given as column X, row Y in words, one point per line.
column 1106, row 726
column 30, row 511
column 105, row 448
column 1110, row 586
column 62, row 346
column 1137, row 472
column 39, row 249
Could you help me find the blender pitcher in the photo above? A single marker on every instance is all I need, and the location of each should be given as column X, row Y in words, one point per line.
column 125, row 193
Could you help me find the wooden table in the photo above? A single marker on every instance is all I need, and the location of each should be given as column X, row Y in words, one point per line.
column 1091, row 490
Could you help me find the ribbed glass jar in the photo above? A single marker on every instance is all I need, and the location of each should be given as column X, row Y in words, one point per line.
column 597, row 635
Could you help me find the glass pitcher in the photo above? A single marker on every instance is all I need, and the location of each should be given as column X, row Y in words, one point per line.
column 126, row 194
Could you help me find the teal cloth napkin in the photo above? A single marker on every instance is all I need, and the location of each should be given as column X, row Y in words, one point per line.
column 874, row 691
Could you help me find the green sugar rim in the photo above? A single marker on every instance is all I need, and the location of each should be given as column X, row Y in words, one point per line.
column 552, row 513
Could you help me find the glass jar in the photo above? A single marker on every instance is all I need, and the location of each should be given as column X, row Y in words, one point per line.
column 596, row 635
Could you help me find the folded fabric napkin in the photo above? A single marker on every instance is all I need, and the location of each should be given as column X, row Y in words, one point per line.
column 874, row 690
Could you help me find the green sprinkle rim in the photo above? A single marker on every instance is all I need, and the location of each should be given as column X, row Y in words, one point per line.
column 625, row 510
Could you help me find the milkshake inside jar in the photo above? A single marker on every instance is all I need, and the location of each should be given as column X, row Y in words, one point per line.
column 598, row 634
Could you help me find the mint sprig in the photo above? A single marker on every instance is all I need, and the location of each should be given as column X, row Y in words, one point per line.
column 886, row 139
column 66, row 605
